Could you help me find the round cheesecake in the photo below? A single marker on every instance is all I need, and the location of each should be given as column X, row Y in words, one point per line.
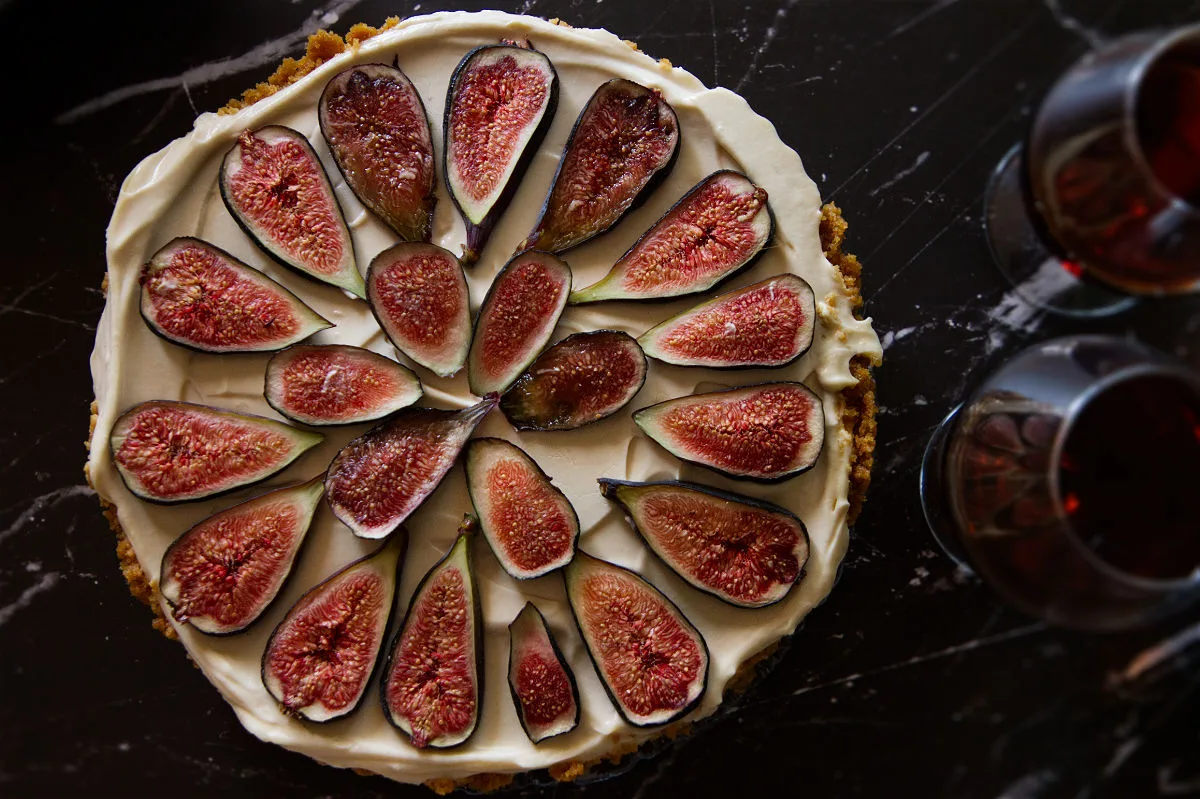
column 175, row 192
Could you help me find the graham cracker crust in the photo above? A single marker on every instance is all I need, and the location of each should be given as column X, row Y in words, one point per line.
column 858, row 417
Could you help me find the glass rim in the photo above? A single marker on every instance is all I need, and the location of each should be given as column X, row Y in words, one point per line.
column 1156, row 368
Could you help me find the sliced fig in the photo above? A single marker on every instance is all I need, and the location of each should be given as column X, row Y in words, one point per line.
column 432, row 688
column 337, row 384
column 374, row 121
column 500, row 103
column 319, row 660
column 223, row 573
column 543, row 687
column 382, row 476
column 171, row 452
column 744, row 551
column 623, row 144
column 768, row 324
column 652, row 660
column 275, row 187
column 516, row 319
column 419, row 295
column 201, row 297
column 529, row 523
column 767, row 432
column 715, row 231
column 581, row 379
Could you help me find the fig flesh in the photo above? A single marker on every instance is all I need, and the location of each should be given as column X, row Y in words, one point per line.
column 375, row 124
column 542, row 685
column 528, row 522
column 500, row 103
column 767, row 432
column 275, row 187
column 419, row 295
column 581, row 379
column 170, row 452
column 652, row 660
column 382, row 476
column 319, row 660
column 516, row 319
column 431, row 690
column 623, row 144
column 741, row 550
column 223, row 573
column 337, row 384
column 768, row 324
column 201, row 297
column 715, row 231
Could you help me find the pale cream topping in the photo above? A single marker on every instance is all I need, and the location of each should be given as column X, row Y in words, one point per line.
column 174, row 193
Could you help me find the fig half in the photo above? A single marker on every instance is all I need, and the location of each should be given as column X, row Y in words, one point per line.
column 529, row 523
column 223, row 573
column 767, row 432
column 275, row 187
column 581, row 379
column 432, row 688
column 201, row 297
column 768, row 324
column 337, row 384
column 171, row 452
column 319, row 660
column 382, row 476
column 741, row 550
column 516, row 319
column 500, row 103
column 542, row 685
column 375, row 124
column 652, row 660
column 623, row 144
column 419, row 295
column 715, row 231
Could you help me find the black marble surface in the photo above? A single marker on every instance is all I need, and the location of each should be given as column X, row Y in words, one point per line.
column 912, row 680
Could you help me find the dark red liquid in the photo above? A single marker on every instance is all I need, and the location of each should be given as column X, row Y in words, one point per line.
column 1130, row 477
column 1169, row 126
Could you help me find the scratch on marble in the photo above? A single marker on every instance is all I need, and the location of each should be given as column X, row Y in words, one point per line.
column 266, row 53
column 768, row 37
column 941, row 5
column 44, row 584
column 901, row 175
column 40, row 504
column 1164, row 651
column 1072, row 24
column 1030, row 786
column 1169, row 784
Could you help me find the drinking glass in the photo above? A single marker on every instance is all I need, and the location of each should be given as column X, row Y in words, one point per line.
column 1103, row 199
column 1070, row 482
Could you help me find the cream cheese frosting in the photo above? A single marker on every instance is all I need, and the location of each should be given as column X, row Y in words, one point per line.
column 174, row 193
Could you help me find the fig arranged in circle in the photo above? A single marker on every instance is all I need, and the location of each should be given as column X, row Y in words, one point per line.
column 432, row 688
column 319, row 660
column 275, row 187
column 542, row 685
column 419, row 295
column 744, row 551
column 768, row 324
column 581, row 379
column 767, row 432
column 171, row 452
column 652, row 660
column 528, row 522
column 375, row 124
column 332, row 384
column 623, row 144
column 223, row 573
column 715, row 231
column 516, row 319
column 381, row 477
column 499, row 106
column 201, row 297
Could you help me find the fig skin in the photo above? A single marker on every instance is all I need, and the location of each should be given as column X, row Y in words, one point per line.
column 608, row 489
column 562, row 661
column 466, row 535
column 398, row 540
column 479, row 234
column 319, row 322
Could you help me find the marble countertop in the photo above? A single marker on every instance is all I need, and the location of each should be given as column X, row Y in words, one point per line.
column 912, row 680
